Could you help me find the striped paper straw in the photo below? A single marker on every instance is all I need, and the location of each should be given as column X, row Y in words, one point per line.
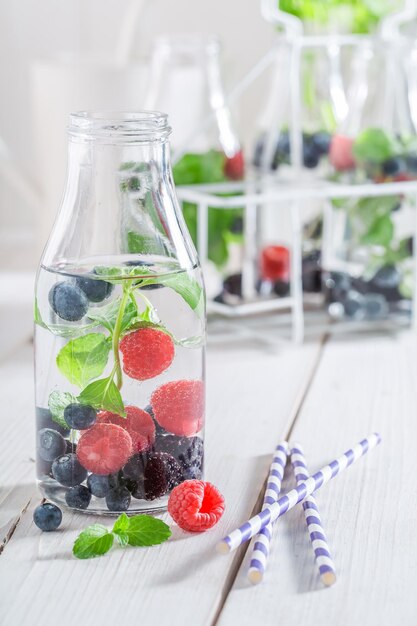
column 315, row 528
column 273, row 487
column 250, row 528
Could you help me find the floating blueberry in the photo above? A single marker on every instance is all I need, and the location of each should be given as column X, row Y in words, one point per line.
column 233, row 284
column 95, row 289
column 78, row 497
column 68, row 471
column 99, row 486
column 80, row 416
column 162, row 473
column 47, row 517
column 321, row 142
column 68, row 301
column 118, row 499
column 51, row 444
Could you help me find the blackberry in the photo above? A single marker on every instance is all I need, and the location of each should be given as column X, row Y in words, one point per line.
column 187, row 451
column 162, row 473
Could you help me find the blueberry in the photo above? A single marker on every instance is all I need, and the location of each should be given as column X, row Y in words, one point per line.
column 387, row 277
column 78, row 497
column 284, row 144
column 68, row 301
column 80, row 416
column 376, row 306
column 99, row 486
column 393, row 166
column 337, row 285
column 233, row 284
column 47, row 516
column 68, row 471
column 51, row 444
column 118, row 499
column 281, row 288
column 95, row 289
column 162, row 473
column 237, row 225
column 311, row 272
column 321, row 142
column 187, row 450
column 139, row 491
column 44, row 420
column 311, row 157
column 411, row 162
column 354, row 305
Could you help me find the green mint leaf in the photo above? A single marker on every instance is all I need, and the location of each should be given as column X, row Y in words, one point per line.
column 186, row 287
column 144, row 530
column 374, row 145
column 94, row 541
column 103, row 394
column 381, row 232
column 57, row 402
column 37, row 315
column 406, row 287
column 120, row 527
column 107, row 315
column 83, row 359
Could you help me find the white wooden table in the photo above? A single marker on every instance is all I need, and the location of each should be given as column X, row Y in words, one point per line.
column 329, row 395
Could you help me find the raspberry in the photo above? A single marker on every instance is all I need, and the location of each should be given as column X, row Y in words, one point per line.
column 195, row 505
column 275, row 263
column 178, row 406
column 104, row 448
column 234, row 166
column 138, row 424
column 162, row 473
column 147, row 352
column 341, row 153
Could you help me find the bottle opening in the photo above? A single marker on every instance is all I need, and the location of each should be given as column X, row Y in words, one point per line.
column 140, row 126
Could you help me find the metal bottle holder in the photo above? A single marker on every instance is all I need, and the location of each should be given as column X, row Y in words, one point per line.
column 258, row 190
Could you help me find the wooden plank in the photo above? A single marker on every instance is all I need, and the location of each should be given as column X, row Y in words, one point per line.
column 363, row 384
column 252, row 393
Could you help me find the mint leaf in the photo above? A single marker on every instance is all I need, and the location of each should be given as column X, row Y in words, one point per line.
column 120, row 527
column 186, row 287
column 94, row 541
column 83, row 359
column 57, row 402
column 380, row 233
column 373, row 144
column 144, row 530
column 107, row 315
column 103, row 394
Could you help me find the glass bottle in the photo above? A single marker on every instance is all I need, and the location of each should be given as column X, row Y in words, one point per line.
column 119, row 325
column 368, row 241
column 186, row 81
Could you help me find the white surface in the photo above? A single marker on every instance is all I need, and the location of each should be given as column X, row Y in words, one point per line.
column 361, row 384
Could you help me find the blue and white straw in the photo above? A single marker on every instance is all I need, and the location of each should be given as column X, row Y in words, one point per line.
column 263, row 539
column 252, row 527
column 318, row 539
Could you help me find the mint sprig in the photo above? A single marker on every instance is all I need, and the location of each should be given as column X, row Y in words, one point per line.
column 83, row 359
column 103, row 394
column 139, row 530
